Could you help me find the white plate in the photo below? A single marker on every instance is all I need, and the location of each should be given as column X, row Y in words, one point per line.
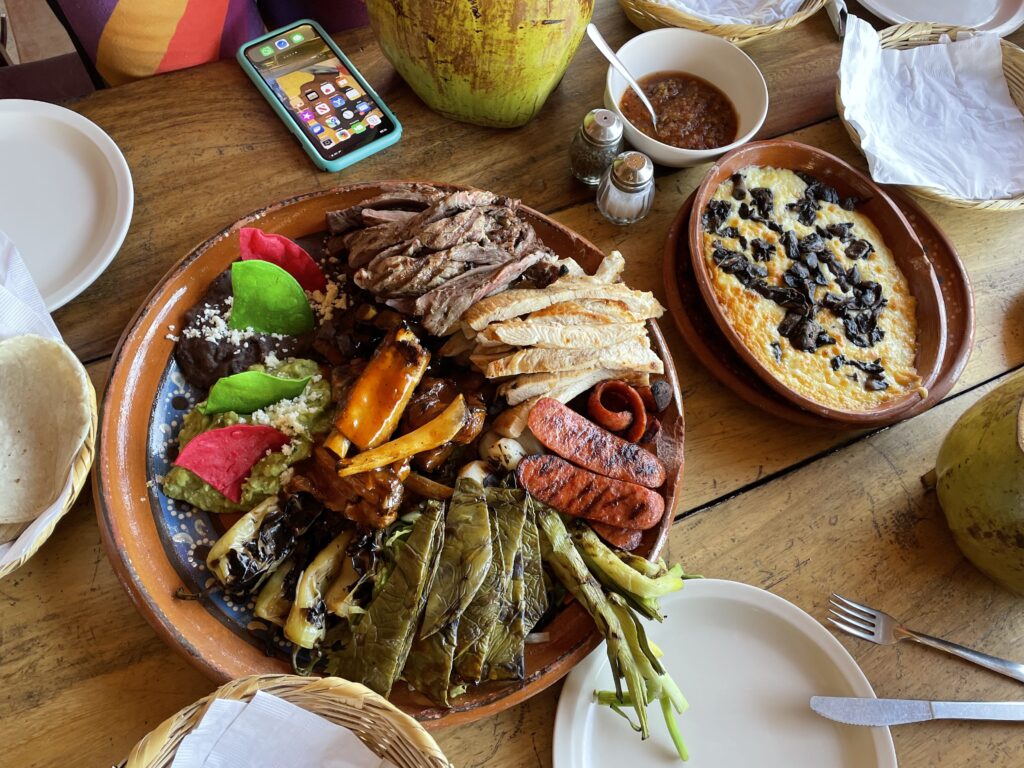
column 998, row 16
column 748, row 662
column 65, row 196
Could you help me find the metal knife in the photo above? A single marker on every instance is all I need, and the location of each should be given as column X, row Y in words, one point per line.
column 900, row 711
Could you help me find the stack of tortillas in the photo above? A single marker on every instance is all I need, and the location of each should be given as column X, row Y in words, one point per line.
column 47, row 422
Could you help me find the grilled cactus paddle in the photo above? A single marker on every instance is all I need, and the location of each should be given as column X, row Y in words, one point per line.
column 506, row 649
column 378, row 398
column 382, row 637
column 465, row 559
column 535, row 593
column 307, row 620
column 508, row 508
column 429, row 666
column 259, row 542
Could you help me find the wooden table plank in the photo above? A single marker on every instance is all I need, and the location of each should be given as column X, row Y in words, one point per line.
column 205, row 149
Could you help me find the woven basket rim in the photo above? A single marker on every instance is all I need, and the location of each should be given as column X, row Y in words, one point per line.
column 916, row 34
column 648, row 14
column 385, row 729
column 80, row 469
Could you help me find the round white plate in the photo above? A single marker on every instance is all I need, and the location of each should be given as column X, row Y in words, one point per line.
column 998, row 16
column 748, row 662
column 65, row 196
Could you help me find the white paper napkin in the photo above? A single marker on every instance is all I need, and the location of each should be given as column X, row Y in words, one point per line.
column 937, row 116
column 269, row 732
column 22, row 311
column 736, row 11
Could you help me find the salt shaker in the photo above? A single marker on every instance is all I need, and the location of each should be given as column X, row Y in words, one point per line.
column 595, row 145
column 626, row 192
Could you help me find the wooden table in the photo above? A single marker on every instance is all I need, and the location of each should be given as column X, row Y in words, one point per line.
column 783, row 507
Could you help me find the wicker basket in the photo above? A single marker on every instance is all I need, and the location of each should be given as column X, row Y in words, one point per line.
column 79, row 474
column 651, row 15
column 912, row 35
column 390, row 733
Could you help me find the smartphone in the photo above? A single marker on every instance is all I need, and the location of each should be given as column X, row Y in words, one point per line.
column 321, row 97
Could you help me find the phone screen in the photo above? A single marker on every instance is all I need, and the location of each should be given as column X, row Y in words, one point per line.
column 329, row 102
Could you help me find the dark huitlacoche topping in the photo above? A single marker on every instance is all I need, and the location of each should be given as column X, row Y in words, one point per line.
column 776, row 351
column 739, row 186
column 812, row 243
column 815, row 193
column 784, row 296
column 874, row 380
column 774, row 226
column 788, row 241
column 761, row 250
column 729, row 232
column 715, row 214
column 806, row 210
column 849, row 203
column 859, row 249
column 735, row 263
column 764, row 201
column 859, row 312
column 803, row 332
column 841, row 231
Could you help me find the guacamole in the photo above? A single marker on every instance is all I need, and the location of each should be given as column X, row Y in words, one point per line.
column 302, row 418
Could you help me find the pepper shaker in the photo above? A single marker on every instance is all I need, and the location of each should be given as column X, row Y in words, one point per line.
column 595, row 145
column 626, row 192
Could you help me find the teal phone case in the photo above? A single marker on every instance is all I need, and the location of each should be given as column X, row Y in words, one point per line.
column 345, row 160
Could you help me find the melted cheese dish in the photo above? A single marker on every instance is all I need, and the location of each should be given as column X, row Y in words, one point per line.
column 811, row 288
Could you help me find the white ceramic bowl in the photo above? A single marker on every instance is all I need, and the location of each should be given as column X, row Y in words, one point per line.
column 716, row 60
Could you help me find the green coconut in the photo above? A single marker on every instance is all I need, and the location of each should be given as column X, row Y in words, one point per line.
column 488, row 62
column 980, row 483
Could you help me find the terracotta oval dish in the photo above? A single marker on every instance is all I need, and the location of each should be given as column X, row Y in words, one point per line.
column 812, row 356
column 158, row 547
column 712, row 348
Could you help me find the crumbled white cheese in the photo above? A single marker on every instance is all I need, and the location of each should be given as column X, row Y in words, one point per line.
column 271, row 360
column 284, row 415
column 325, row 302
column 213, row 327
column 287, row 449
column 171, row 337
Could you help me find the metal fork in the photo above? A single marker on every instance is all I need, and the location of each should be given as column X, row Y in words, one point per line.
column 878, row 627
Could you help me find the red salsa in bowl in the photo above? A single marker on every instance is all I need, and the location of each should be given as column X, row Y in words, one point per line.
column 692, row 113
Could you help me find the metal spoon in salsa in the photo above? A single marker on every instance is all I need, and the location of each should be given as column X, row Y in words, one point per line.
column 692, row 113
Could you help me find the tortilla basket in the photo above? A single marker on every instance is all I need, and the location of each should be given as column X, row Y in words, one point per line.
column 650, row 14
column 390, row 733
column 79, row 474
column 912, row 35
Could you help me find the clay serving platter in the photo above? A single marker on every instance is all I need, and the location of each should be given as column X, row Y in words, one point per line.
column 898, row 234
column 710, row 346
column 158, row 545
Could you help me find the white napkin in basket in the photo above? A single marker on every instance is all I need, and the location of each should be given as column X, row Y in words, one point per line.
column 269, row 732
column 22, row 311
column 736, row 11
column 937, row 116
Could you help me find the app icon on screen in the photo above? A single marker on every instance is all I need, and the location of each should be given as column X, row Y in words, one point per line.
column 307, row 115
column 337, row 101
column 343, row 135
column 351, row 93
column 372, row 120
column 332, row 122
column 315, row 127
column 312, row 95
column 326, row 89
column 327, row 141
column 358, row 128
column 348, row 114
column 266, row 50
column 363, row 107
column 342, row 82
column 281, row 44
column 322, row 109
column 298, row 37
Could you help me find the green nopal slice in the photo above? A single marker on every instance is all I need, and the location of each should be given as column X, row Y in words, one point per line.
column 429, row 666
column 382, row 638
column 267, row 299
column 465, row 559
column 250, row 391
column 508, row 508
column 506, row 646
column 535, row 594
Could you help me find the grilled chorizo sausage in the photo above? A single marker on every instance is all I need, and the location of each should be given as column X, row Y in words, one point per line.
column 578, row 439
column 581, row 493
column 627, row 539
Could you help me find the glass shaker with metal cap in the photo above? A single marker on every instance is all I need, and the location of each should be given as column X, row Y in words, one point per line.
column 626, row 192
column 595, row 145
